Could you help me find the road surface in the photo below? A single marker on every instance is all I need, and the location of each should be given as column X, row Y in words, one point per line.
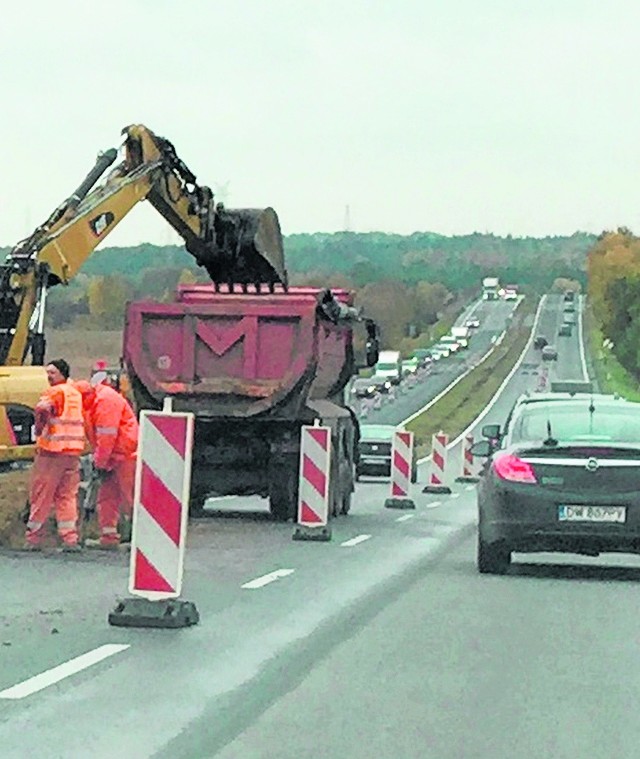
column 384, row 642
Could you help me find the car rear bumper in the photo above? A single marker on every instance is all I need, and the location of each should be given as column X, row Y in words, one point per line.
column 529, row 525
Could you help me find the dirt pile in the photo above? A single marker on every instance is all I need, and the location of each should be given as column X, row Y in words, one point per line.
column 14, row 490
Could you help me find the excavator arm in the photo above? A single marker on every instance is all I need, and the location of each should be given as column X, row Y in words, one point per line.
column 235, row 246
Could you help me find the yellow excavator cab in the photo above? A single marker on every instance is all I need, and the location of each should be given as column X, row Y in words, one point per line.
column 19, row 386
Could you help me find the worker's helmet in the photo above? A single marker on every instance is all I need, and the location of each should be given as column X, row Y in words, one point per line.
column 100, row 365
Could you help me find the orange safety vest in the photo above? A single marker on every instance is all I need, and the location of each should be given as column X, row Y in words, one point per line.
column 64, row 433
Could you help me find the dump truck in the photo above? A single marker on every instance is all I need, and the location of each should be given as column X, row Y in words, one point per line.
column 253, row 367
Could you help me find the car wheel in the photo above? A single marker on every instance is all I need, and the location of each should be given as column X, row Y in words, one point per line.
column 493, row 558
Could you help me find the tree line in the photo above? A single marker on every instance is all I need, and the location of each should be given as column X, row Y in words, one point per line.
column 406, row 281
column 614, row 293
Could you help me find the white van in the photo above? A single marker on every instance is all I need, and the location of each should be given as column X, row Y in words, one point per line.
column 389, row 365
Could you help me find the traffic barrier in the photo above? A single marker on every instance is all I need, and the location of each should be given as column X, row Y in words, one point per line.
column 401, row 466
column 469, row 465
column 314, row 490
column 160, row 512
column 439, row 457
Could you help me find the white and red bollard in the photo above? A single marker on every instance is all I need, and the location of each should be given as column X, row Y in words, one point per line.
column 439, row 458
column 160, row 516
column 468, row 462
column 314, row 490
column 401, row 467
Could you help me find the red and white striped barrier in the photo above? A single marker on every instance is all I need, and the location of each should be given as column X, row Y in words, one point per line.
column 468, row 461
column 439, row 458
column 314, row 485
column 160, row 515
column 401, row 466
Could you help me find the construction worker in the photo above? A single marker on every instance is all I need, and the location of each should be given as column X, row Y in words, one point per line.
column 116, row 378
column 112, row 429
column 55, row 477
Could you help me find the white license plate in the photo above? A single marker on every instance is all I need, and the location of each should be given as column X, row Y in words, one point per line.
column 374, row 461
column 578, row 513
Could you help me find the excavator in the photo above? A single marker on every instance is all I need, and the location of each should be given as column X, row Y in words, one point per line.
column 237, row 248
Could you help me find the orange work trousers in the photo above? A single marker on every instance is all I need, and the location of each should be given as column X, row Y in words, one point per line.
column 116, row 492
column 55, row 479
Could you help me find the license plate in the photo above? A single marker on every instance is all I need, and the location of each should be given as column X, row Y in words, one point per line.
column 579, row 513
column 374, row 461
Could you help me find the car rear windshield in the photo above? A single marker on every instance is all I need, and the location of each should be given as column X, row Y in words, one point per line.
column 574, row 422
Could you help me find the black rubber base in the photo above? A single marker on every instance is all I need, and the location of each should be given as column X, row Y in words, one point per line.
column 317, row 534
column 168, row 613
column 467, row 479
column 437, row 489
column 399, row 503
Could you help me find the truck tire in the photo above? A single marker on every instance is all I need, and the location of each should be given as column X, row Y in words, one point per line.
column 283, row 492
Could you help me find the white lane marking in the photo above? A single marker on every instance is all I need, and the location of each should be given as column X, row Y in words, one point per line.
column 355, row 541
column 434, row 504
column 583, row 358
column 68, row 668
column 260, row 582
column 498, row 391
column 221, row 498
column 455, row 495
column 507, row 379
column 470, row 487
column 405, row 518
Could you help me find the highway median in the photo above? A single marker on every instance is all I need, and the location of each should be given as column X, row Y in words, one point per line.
column 456, row 409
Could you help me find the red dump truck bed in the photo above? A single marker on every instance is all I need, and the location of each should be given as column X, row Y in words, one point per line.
column 236, row 354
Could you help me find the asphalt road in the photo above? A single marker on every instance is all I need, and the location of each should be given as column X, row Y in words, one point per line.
column 493, row 317
column 384, row 642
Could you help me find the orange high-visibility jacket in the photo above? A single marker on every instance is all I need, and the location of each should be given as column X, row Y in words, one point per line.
column 59, row 420
column 112, row 427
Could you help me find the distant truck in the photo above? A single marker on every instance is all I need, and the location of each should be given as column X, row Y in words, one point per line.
column 390, row 366
column 462, row 335
column 490, row 288
column 253, row 367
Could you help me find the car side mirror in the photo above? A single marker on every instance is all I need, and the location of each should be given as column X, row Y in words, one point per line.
column 491, row 431
column 481, row 449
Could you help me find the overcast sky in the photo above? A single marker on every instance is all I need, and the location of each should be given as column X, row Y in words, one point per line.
column 508, row 116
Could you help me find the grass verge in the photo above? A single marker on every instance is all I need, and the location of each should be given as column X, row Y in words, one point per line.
column 610, row 375
column 455, row 411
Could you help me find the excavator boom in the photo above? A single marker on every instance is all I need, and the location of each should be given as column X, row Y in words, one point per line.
column 237, row 247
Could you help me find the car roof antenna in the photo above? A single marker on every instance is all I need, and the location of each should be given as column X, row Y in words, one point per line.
column 550, row 441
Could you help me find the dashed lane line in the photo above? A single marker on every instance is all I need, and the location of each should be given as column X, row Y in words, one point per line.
column 260, row 582
column 355, row 541
column 62, row 671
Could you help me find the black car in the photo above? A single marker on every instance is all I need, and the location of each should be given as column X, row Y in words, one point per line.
column 563, row 476
column 374, row 452
column 540, row 341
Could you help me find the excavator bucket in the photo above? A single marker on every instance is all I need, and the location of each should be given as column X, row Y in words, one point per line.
column 248, row 248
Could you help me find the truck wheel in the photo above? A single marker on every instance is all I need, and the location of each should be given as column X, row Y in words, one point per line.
column 283, row 493
column 493, row 558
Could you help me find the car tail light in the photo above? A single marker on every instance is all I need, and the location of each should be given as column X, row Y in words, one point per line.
column 513, row 469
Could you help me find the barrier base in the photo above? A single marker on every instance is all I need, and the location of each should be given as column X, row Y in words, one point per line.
column 315, row 534
column 467, row 479
column 140, row 612
column 437, row 489
column 399, row 503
